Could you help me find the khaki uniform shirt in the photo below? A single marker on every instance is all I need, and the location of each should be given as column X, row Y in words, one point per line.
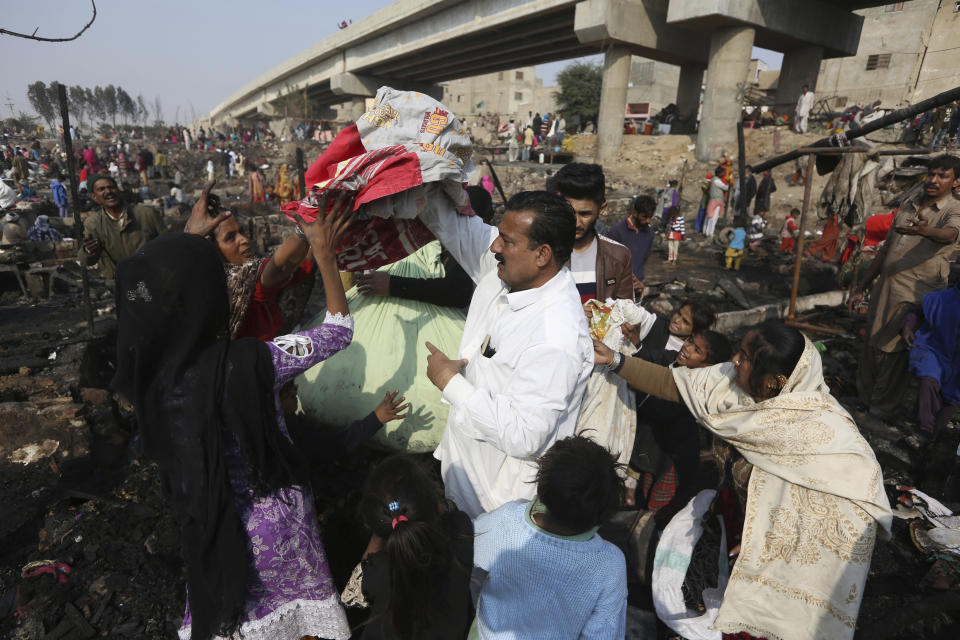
column 914, row 266
column 141, row 224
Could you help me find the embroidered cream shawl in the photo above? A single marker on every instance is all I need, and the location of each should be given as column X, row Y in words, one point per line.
column 814, row 502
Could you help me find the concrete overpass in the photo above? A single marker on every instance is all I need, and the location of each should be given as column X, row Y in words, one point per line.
column 414, row 44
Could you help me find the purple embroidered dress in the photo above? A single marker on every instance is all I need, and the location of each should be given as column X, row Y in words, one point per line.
column 290, row 592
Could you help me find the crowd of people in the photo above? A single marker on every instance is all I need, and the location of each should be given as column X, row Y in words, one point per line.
column 504, row 542
column 504, row 539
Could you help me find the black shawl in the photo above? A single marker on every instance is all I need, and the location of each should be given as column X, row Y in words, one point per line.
column 191, row 386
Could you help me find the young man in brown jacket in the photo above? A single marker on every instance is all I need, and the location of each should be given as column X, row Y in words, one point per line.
column 601, row 267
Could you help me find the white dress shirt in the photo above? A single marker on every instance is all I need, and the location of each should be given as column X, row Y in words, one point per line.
column 509, row 406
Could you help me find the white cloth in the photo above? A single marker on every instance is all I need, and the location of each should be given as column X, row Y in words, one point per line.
column 8, row 197
column 508, row 409
column 609, row 415
column 814, row 506
column 670, row 564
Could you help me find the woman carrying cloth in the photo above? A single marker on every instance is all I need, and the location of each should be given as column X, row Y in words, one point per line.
column 815, row 498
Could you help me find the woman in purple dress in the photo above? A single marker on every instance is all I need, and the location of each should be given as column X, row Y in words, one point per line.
column 208, row 412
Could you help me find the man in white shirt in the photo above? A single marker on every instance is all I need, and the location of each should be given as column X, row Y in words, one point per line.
column 804, row 107
column 525, row 355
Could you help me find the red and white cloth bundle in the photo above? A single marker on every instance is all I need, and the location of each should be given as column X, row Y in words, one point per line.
column 406, row 154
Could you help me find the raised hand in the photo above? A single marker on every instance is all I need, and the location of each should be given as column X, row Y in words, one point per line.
column 390, row 408
column 325, row 232
column 200, row 223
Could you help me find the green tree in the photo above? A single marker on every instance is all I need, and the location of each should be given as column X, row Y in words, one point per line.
column 78, row 103
column 39, row 97
column 110, row 104
column 98, row 103
column 126, row 107
column 54, row 92
column 579, row 95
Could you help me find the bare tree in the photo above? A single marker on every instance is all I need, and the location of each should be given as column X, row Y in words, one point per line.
column 157, row 112
column 142, row 113
column 34, row 36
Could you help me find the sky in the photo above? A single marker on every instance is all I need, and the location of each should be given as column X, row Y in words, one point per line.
column 192, row 54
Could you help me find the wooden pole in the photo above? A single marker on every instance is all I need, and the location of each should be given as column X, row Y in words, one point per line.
column 807, row 189
column 301, row 175
column 898, row 115
column 496, row 181
column 74, row 199
column 740, row 218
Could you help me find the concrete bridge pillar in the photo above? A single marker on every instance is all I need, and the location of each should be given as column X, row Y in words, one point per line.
column 688, row 98
column 800, row 67
column 357, row 106
column 727, row 68
column 613, row 102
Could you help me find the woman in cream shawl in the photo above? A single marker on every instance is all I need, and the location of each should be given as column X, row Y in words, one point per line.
column 815, row 498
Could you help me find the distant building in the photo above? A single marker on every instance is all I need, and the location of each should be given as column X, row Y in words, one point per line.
column 908, row 52
column 511, row 93
column 652, row 82
column 518, row 92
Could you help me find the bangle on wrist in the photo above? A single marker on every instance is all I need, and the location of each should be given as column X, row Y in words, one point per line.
column 617, row 363
column 300, row 234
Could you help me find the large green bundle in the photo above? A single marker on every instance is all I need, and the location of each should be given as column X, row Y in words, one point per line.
column 388, row 353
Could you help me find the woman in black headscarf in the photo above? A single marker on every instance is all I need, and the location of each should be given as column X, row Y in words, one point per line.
column 208, row 412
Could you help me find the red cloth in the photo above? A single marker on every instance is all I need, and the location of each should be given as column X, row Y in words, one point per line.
column 264, row 319
column 787, row 244
column 877, row 227
column 659, row 491
column 346, row 165
column 826, row 247
column 849, row 249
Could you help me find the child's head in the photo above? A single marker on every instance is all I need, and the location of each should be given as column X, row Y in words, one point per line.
column 578, row 483
column 400, row 504
column 767, row 356
column 692, row 316
column 674, row 183
column 703, row 349
column 671, row 212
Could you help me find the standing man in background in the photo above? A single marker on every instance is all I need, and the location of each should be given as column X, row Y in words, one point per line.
column 804, row 107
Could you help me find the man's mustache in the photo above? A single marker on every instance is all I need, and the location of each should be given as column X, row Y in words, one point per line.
column 499, row 257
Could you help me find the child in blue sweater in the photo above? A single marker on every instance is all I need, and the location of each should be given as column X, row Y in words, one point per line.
column 549, row 575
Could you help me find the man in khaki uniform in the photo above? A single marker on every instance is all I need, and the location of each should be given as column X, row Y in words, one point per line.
column 116, row 230
column 914, row 261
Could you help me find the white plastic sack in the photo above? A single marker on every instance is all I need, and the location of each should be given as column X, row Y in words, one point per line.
column 670, row 568
column 608, row 414
column 388, row 353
